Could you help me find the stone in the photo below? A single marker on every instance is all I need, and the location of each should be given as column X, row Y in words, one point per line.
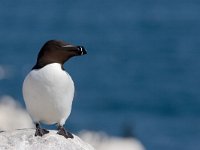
column 24, row 139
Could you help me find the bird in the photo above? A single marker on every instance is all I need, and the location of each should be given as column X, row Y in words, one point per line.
column 48, row 89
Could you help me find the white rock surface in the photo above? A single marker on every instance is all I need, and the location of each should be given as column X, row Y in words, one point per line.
column 102, row 141
column 25, row 140
column 12, row 116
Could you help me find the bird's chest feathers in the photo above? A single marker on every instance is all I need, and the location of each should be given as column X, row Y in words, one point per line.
column 52, row 78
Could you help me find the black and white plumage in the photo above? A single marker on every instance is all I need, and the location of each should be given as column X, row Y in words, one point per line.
column 48, row 90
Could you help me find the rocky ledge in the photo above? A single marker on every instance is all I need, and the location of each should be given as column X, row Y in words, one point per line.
column 25, row 140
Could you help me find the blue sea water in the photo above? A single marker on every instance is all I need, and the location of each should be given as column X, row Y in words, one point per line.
column 142, row 70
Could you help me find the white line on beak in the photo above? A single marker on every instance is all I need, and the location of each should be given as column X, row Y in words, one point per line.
column 81, row 49
column 68, row 46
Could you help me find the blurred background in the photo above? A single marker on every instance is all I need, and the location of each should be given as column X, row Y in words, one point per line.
column 140, row 77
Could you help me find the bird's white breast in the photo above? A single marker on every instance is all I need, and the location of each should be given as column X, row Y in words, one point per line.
column 48, row 93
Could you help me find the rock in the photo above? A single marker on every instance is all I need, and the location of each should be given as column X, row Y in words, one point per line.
column 101, row 141
column 12, row 115
column 25, row 140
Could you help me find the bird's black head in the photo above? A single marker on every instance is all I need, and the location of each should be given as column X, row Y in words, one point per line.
column 55, row 51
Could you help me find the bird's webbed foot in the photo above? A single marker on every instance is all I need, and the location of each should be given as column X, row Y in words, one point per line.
column 63, row 132
column 40, row 131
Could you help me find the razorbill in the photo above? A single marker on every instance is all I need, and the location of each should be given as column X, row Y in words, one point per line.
column 48, row 90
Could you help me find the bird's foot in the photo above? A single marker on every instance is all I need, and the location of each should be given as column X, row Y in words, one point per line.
column 40, row 131
column 65, row 133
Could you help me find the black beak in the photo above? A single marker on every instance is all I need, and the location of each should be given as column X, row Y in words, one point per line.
column 81, row 50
